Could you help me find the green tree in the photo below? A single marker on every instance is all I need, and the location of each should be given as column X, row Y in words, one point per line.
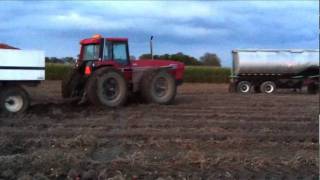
column 186, row 59
column 69, row 60
column 210, row 59
column 145, row 56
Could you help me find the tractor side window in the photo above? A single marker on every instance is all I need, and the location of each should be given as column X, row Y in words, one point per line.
column 120, row 53
column 91, row 52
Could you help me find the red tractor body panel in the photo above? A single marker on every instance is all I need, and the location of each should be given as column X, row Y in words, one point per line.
column 177, row 68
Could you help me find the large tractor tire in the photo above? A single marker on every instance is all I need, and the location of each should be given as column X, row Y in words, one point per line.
column 244, row 87
column 107, row 87
column 13, row 100
column 70, row 85
column 268, row 87
column 158, row 87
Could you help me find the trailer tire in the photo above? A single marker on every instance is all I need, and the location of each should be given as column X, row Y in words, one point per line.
column 244, row 87
column 107, row 87
column 312, row 88
column 268, row 87
column 13, row 100
column 158, row 87
column 70, row 84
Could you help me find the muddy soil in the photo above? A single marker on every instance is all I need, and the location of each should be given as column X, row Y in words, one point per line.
column 207, row 133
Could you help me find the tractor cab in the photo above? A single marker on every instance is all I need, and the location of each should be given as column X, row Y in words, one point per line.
column 104, row 51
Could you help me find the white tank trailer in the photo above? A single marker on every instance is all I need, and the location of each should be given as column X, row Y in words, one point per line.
column 266, row 70
column 19, row 68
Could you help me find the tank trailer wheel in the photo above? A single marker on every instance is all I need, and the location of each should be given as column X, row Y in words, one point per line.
column 158, row 87
column 268, row 87
column 13, row 100
column 70, row 84
column 107, row 87
column 244, row 87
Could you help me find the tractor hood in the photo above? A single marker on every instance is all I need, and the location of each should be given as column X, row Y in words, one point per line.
column 177, row 67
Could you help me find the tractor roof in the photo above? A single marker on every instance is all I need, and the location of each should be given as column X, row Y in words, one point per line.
column 118, row 39
column 95, row 39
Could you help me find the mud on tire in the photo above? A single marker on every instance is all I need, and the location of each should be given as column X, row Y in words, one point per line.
column 107, row 87
column 158, row 87
column 13, row 100
column 70, row 84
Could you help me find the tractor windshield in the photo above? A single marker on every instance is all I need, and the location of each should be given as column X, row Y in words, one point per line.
column 91, row 52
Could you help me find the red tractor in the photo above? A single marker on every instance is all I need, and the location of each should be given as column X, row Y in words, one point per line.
column 105, row 75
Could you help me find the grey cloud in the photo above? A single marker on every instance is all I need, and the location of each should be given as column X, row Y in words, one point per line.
column 191, row 27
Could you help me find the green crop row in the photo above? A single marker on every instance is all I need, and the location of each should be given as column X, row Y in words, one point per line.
column 204, row 74
column 57, row 71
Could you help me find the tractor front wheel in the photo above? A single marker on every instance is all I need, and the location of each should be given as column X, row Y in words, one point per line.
column 107, row 87
column 158, row 87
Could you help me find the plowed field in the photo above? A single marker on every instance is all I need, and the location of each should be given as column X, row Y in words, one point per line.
column 207, row 133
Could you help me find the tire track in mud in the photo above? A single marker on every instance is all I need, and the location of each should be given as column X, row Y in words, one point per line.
column 185, row 133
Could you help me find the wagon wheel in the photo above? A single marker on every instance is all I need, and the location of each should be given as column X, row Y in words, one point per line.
column 13, row 100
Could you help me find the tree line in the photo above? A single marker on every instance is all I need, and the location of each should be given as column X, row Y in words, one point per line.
column 208, row 59
column 64, row 60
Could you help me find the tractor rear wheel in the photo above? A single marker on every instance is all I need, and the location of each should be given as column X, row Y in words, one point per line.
column 13, row 100
column 70, row 85
column 107, row 87
column 158, row 87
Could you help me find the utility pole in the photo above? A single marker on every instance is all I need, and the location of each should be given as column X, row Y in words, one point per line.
column 151, row 48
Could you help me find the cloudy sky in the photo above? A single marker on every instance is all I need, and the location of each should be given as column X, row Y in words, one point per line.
column 191, row 27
